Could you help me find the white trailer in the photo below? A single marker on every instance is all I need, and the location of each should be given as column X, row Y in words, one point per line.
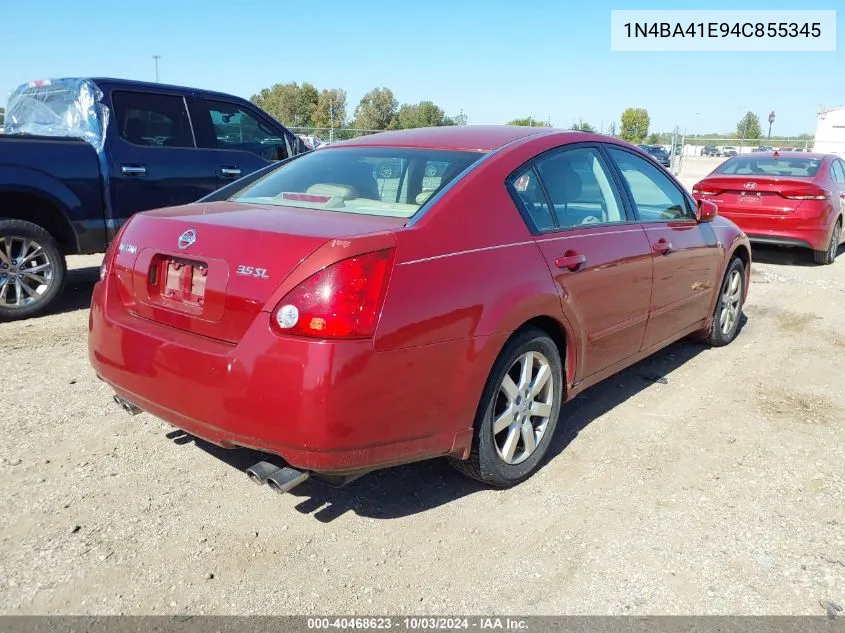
column 830, row 132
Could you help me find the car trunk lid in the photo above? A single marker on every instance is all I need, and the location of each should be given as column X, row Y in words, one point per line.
column 210, row 268
column 757, row 194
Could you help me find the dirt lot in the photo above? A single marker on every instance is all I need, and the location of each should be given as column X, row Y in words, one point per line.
column 720, row 491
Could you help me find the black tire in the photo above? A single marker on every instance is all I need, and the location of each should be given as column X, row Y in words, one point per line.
column 486, row 464
column 828, row 256
column 718, row 336
column 13, row 233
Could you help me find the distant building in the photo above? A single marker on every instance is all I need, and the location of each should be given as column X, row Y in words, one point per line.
column 830, row 132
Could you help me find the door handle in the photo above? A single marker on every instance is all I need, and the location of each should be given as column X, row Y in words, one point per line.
column 133, row 170
column 662, row 246
column 571, row 260
column 230, row 172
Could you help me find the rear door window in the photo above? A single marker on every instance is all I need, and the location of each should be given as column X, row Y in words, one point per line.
column 580, row 188
column 152, row 120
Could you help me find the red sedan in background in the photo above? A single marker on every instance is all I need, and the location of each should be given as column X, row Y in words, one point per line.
column 782, row 198
column 347, row 321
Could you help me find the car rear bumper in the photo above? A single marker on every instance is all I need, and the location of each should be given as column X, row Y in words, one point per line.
column 781, row 229
column 333, row 407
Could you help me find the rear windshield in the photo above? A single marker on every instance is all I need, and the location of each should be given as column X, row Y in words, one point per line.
column 770, row 166
column 384, row 181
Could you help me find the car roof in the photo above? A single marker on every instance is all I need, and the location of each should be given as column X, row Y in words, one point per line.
column 484, row 138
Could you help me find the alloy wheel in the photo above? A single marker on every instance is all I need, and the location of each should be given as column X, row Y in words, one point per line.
column 26, row 272
column 523, row 407
column 730, row 303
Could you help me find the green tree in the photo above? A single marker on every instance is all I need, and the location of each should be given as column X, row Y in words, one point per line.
column 306, row 103
column 611, row 129
column 460, row 119
column 2, row 115
column 529, row 122
column 653, row 139
column 330, row 110
column 583, row 126
column 279, row 101
column 377, row 110
column 749, row 127
column 635, row 123
column 422, row 114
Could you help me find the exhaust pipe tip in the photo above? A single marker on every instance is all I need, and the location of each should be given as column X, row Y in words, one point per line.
column 127, row 406
column 258, row 473
column 286, row 479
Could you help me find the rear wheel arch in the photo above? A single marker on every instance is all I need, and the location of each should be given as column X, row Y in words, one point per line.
column 43, row 212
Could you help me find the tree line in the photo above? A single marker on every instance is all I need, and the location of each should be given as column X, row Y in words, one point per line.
column 304, row 106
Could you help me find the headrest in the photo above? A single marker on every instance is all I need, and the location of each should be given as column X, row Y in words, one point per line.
column 563, row 182
column 335, row 191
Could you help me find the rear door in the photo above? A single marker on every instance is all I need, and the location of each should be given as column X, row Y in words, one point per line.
column 240, row 139
column 153, row 158
column 686, row 254
column 599, row 256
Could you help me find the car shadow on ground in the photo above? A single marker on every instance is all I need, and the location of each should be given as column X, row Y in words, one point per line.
column 77, row 291
column 414, row 488
column 784, row 255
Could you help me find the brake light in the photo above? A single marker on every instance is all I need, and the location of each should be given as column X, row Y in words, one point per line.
column 306, row 197
column 705, row 192
column 343, row 300
column 812, row 193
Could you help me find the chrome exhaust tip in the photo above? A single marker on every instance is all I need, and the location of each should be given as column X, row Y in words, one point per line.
column 127, row 406
column 286, row 479
column 259, row 472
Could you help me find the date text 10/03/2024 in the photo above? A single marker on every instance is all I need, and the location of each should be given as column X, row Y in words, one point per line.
column 419, row 623
column 723, row 29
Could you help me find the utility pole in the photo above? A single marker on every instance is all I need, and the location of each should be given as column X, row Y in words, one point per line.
column 331, row 121
column 771, row 120
column 156, row 58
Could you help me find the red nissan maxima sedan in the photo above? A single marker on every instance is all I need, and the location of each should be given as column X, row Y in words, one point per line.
column 347, row 321
column 782, row 198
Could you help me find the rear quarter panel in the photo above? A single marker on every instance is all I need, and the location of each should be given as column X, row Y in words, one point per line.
column 62, row 172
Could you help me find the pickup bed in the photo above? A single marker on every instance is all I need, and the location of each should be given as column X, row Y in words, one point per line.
column 81, row 156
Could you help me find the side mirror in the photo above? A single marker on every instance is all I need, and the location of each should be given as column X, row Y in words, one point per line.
column 705, row 211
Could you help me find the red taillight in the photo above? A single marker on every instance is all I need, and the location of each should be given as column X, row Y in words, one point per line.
column 811, row 193
column 343, row 300
column 706, row 191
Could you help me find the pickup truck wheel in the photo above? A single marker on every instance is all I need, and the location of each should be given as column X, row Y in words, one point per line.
column 32, row 269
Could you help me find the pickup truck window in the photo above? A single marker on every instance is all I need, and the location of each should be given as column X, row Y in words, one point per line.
column 235, row 127
column 152, row 119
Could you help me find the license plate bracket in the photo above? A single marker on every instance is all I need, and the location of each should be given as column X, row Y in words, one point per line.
column 183, row 281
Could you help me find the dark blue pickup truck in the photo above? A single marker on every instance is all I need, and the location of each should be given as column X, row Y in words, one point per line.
column 80, row 156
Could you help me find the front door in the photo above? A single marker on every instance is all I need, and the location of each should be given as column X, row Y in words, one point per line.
column 686, row 254
column 153, row 159
column 241, row 141
column 599, row 257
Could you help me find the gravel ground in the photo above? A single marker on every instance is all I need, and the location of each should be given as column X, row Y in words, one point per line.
column 718, row 492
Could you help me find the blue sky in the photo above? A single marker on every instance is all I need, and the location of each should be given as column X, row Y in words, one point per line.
column 546, row 58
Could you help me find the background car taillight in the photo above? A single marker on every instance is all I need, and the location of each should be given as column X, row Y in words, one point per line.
column 706, row 191
column 811, row 193
column 343, row 300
